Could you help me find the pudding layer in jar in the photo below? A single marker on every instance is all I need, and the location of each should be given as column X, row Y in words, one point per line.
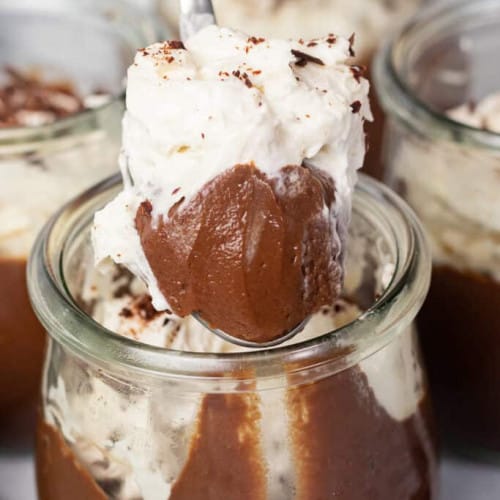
column 60, row 110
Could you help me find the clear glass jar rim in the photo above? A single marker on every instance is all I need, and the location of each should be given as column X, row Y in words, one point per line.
column 397, row 97
column 87, row 119
column 374, row 329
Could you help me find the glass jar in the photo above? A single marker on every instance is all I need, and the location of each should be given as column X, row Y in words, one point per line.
column 90, row 44
column 343, row 414
column 450, row 173
column 370, row 21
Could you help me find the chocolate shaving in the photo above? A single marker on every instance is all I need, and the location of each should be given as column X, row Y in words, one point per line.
column 145, row 308
column 122, row 291
column 256, row 40
column 358, row 71
column 356, row 106
column 247, row 81
column 126, row 313
column 352, row 40
column 243, row 77
column 176, row 44
column 28, row 101
column 303, row 58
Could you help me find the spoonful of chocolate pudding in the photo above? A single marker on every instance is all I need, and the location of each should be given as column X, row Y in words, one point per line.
column 239, row 162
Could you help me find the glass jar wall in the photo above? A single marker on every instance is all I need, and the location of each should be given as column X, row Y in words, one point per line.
column 86, row 44
column 343, row 412
column 445, row 160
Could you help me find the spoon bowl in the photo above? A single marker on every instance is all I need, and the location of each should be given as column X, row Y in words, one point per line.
column 247, row 343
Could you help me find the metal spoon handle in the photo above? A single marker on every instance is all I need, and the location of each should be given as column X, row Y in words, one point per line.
column 195, row 15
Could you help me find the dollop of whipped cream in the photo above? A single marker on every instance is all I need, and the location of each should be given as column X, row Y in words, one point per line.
column 460, row 208
column 222, row 101
column 484, row 115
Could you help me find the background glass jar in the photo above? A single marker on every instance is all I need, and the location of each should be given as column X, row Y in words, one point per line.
column 450, row 174
column 90, row 44
column 345, row 412
column 371, row 21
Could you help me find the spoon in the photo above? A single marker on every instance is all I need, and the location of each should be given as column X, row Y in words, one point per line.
column 247, row 343
column 196, row 15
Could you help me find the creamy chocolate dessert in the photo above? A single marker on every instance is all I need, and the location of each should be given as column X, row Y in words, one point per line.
column 239, row 158
column 461, row 212
column 235, row 443
column 239, row 164
column 35, row 182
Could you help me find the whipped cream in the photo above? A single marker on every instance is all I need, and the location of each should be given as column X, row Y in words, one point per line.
column 226, row 100
column 485, row 115
column 310, row 18
column 35, row 184
column 454, row 189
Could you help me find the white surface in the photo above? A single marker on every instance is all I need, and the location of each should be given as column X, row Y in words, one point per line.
column 17, row 478
column 461, row 480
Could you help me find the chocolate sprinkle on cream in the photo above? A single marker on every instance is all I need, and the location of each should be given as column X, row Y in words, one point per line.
column 255, row 40
column 352, row 40
column 358, row 72
column 176, row 44
column 303, row 58
column 356, row 106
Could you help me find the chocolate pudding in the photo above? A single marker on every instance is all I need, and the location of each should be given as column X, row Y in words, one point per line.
column 342, row 413
column 260, row 258
column 22, row 341
column 465, row 376
column 55, row 460
column 343, row 445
